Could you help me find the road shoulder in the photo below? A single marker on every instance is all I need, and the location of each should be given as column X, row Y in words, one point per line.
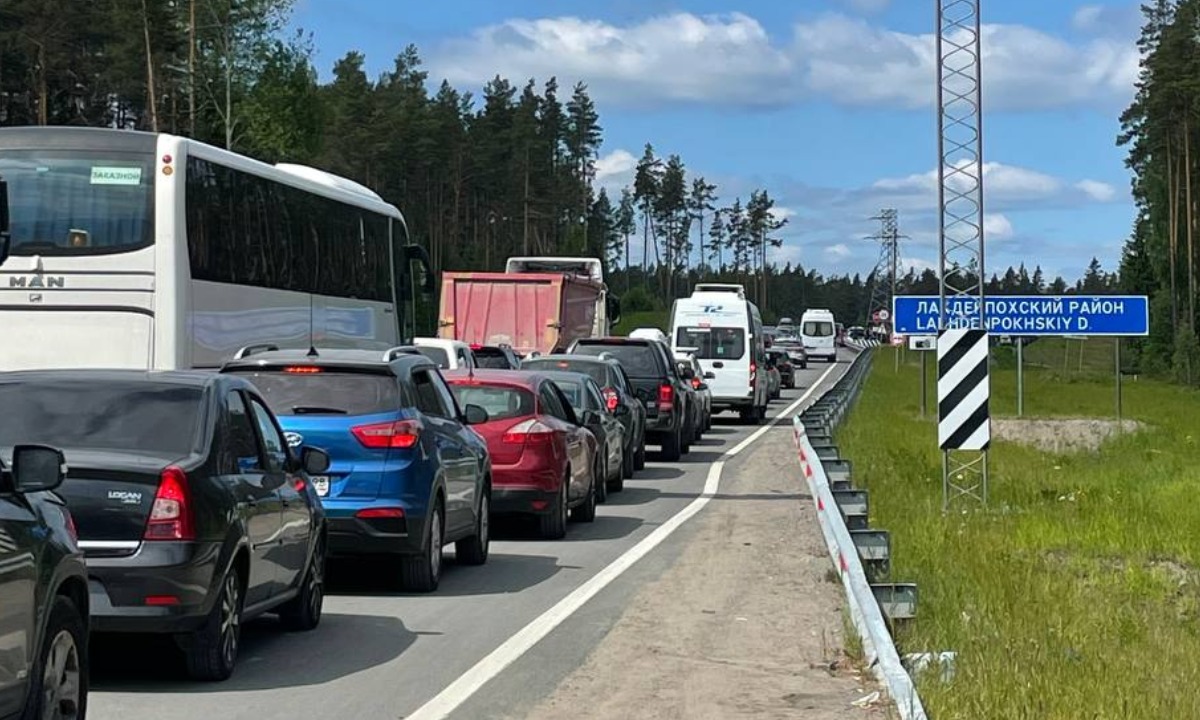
column 746, row 622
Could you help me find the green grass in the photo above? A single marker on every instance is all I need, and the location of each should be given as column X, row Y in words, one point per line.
column 1076, row 594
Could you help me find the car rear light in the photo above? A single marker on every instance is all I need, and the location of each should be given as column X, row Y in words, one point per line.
column 696, row 383
column 171, row 514
column 401, row 434
column 611, row 399
column 302, row 369
column 476, row 346
column 666, row 397
column 753, row 373
column 161, row 600
column 377, row 513
column 529, row 432
column 71, row 529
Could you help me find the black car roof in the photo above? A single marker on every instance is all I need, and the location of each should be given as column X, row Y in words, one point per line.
column 567, row 357
column 567, row 375
column 193, row 378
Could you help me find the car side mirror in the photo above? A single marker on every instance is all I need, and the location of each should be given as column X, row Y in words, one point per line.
column 36, row 468
column 314, row 461
column 475, row 415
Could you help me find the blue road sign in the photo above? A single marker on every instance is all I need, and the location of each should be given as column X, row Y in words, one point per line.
column 1041, row 315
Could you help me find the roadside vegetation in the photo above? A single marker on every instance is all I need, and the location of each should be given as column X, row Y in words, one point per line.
column 1076, row 593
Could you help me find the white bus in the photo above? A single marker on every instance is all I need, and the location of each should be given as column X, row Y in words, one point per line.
column 142, row 250
column 608, row 306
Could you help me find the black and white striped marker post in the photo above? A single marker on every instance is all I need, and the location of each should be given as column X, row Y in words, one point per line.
column 963, row 389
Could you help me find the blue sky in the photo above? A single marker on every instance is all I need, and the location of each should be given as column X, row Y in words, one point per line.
column 826, row 103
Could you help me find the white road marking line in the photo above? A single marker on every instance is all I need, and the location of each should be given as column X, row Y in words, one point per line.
column 461, row 690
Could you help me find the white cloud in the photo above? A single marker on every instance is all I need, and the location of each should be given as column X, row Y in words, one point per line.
column 996, row 226
column 730, row 59
column 1098, row 191
column 1107, row 20
column 615, row 171
column 1004, row 186
column 839, row 251
column 783, row 213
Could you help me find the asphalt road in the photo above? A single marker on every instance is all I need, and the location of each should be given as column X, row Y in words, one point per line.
column 380, row 653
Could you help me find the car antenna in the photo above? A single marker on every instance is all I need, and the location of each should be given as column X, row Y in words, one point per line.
column 312, row 351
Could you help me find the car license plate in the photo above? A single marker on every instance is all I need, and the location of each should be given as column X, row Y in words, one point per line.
column 321, row 483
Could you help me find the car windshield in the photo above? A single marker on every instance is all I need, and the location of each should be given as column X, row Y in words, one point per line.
column 639, row 360
column 818, row 328
column 574, row 393
column 326, row 392
column 133, row 417
column 593, row 369
column 719, row 343
column 492, row 358
column 501, row 403
column 438, row 355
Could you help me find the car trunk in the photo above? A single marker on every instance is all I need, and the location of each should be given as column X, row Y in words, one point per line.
column 110, row 495
column 355, row 471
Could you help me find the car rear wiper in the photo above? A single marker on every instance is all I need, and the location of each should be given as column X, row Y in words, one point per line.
column 317, row 410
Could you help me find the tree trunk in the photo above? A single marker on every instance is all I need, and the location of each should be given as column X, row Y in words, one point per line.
column 43, row 88
column 700, row 267
column 525, row 232
column 1173, row 228
column 192, row 68
column 151, row 98
column 1189, row 216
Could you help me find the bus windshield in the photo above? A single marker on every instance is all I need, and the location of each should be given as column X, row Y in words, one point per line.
column 78, row 202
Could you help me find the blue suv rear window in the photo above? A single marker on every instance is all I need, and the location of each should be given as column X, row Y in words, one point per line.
column 327, row 392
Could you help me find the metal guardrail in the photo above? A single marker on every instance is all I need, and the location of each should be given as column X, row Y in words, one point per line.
column 861, row 555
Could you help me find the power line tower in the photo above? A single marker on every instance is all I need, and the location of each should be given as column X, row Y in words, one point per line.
column 883, row 277
column 964, row 429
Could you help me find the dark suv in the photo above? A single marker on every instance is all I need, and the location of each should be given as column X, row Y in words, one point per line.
column 192, row 512
column 43, row 591
column 657, row 383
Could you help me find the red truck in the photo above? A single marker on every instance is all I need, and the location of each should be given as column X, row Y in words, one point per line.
column 532, row 312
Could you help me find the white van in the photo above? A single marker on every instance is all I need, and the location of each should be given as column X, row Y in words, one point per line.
column 817, row 332
column 724, row 331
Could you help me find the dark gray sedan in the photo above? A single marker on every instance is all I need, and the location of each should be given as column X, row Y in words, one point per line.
column 588, row 402
column 43, row 591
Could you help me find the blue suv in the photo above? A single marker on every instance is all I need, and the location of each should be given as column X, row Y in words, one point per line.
column 407, row 476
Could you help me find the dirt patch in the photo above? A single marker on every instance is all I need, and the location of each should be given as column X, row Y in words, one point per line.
column 1061, row 435
column 743, row 626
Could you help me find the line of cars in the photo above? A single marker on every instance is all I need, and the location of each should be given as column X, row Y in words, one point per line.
column 184, row 503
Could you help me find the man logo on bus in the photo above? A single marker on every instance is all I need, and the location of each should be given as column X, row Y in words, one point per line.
column 36, row 281
column 713, row 308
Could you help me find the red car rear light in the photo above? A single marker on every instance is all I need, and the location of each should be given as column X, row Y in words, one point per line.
column 529, row 432
column 666, row 397
column 753, row 373
column 171, row 514
column 377, row 513
column 611, row 400
column 401, row 434
column 302, row 369
column 696, row 383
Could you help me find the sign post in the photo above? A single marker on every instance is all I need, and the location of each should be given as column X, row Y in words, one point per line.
column 1117, row 362
column 1020, row 378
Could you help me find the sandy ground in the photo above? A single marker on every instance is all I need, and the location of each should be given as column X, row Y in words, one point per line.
column 1061, row 435
column 746, row 624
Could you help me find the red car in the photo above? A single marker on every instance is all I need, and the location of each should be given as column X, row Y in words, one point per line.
column 544, row 462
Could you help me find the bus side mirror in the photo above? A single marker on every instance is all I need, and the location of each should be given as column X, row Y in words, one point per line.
column 614, row 309
column 418, row 254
